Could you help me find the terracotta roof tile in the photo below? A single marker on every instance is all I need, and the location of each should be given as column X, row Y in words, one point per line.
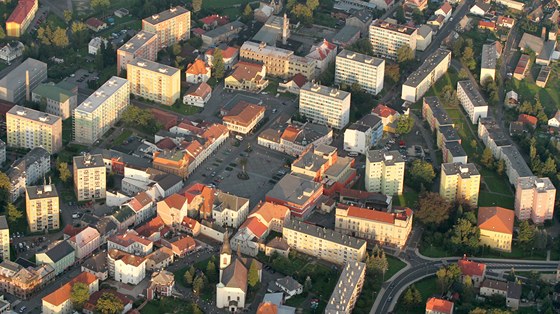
column 166, row 143
column 383, row 111
column 243, row 113
column 198, row 67
column 267, row 308
column 175, row 201
column 469, row 268
column 497, row 219
column 371, row 214
column 140, row 201
column 439, row 305
column 62, row 294
column 201, row 90
column 22, row 10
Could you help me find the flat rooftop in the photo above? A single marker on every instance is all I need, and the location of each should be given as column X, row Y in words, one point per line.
column 137, row 42
column 457, row 168
column 455, row 149
column 541, row 184
column 472, row 92
column 35, row 115
column 449, row 133
column 16, row 77
column 294, row 189
column 89, row 161
column 325, row 234
column 41, row 191
column 345, row 287
column 517, row 161
column 388, row 157
column 165, row 15
column 361, row 58
column 224, row 29
column 154, row 66
column 264, row 49
column 437, row 110
column 489, row 56
column 98, row 97
column 397, row 28
column 325, row 91
column 427, row 67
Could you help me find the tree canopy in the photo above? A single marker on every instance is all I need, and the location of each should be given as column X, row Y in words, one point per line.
column 108, row 303
column 79, row 295
column 421, row 173
column 405, row 123
column 433, row 209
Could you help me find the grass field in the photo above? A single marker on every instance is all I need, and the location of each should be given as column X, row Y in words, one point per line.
column 549, row 96
column 167, row 305
column 427, row 288
column 219, row 4
column 122, row 137
column 407, row 199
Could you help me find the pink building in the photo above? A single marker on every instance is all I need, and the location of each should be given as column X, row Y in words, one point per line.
column 85, row 242
column 142, row 45
column 534, row 199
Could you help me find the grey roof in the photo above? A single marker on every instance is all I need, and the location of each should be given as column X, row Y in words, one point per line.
column 513, row 290
column 345, row 34
column 235, row 275
column 427, row 67
column 123, row 214
column 128, row 159
column 364, row 16
column 472, row 92
column 455, row 148
column 424, row 31
column 105, row 225
column 97, row 263
column 331, row 92
column 228, row 201
column 88, row 161
column 165, row 15
column 532, row 42
column 167, row 181
column 358, row 57
column 397, row 28
column 41, row 191
column 159, row 256
column 494, row 284
column 544, row 73
column 153, row 66
column 35, row 115
column 489, row 56
column 495, row 132
column 541, row 184
column 547, row 50
column 20, row 166
column 16, row 77
column 483, row 5
column 310, row 132
column 457, row 168
column 449, row 133
column 3, row 223
column 137, row 42
column 60, row 251
column 224, row 29
column 288, row 283
column 323, row 233
column 388, row 157
column 293, row 189
column 517, row 161
column 95, row 100
column 347, row 284
column 438, row 111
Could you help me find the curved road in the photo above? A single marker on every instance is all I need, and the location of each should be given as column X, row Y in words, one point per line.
column 424, row 267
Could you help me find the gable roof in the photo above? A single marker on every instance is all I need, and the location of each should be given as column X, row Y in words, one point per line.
column 528, row 119
column 198, row 67
column 140, row 201
column 201, row 90
column 299, row 79
column 175, row 201
column 497, row 219
column 60, row 251
column 446, row 7
column 439, row 305
column 383, row 111
column 235, row 275
column 62, row 294
column 470, row 268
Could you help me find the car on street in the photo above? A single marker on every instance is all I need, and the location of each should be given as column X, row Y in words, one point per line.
column 22, row 309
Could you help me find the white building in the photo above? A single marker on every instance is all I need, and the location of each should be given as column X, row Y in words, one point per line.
column 364, row 134
column 198, row 95
column 95, row 45
column 125, row 267
column 534, row 199
column 352, row 67
column 418, row 83
column 25, row 171
column 11, row 51
column 17, row 85
column 347, row 289
column 424, row 37
column 553, row 122
column 230, row 210
column 472, row 101
column 324, row 53
column 384, row 172
column 387, row 38
column 131, row 243
column 85, row 242
column 101, row 110
column 488, row 62
column 325, row 105
column 143, row 205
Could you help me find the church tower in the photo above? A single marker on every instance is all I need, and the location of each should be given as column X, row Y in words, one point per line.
column 225, row 254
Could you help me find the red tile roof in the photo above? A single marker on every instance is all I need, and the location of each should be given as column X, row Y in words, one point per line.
column 267, row 308
column 184, row 244
column 71, row 231
column 175, row 201
column 299, row 79
column 528, row 119
column 202, row 90
column 197, row 68
column 371, row 214
column 207, row 194
column 198, row 31
column 226, row 53
column 129, row 238
column 446, row 7
column 151, row 227
column 167, row 119
column 22, row 10
column 487, row 24
column 62, row 294
column 497, row 219
column 383, row 111
column 439, row 305
column 166, row 143
column 140, row 201
column 243, row 113
column 256, row 227
column 469, row 268
column 94, row 22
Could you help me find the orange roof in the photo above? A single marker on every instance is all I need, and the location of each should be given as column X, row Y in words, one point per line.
column 470, row 268
column 243, row 113
column 197, row 68
column 299, row 79
column 62, row 294
column 269, row 211
column 267, row 308
column 183, row 244
column 383, row 111
column 126, row 258
column 189, row 222
column 129, row 238
column 227, row 53
column 256, row 227
column 496, row 219
column 528, row 119
column 246, row 71
column 175, row 200
column 439, row 305
column 371, row 214
column 214, row 131
column 446, row 7
column 202, row 90
column 207, row 194
column 140, row 201
column 487, row 24
column 152, row 226
column 290, row 133
column 22, row 10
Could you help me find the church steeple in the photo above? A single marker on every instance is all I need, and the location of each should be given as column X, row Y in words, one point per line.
column 225, row 254
column 226, row 248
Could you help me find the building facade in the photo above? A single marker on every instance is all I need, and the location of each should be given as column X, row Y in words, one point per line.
column 57, row 100
column 460, row 183
column 42, row 208
column 325, row 105
column 347, row 289
column 364, row 134
column 496, row 227
column 418, row 83
column 356, row 68
column 384, row 172
column 534, row 199
column 21, row 17
column 89, row 177
column 4, row 239
column 154, row 81
column 171, row 26
column 28, row 128
column 17, row 85
column 387, row 38
column 143, row 45
column 472, row 101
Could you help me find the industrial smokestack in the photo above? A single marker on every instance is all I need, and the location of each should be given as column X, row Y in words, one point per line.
column 27, row 87
column 285, row 26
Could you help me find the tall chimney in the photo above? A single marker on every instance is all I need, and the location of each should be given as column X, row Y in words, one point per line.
column 27, row 92
column 285, row 25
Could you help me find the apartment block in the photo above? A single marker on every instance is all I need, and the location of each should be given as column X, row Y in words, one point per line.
column 2, row 152
column 386, row 38
column 89, row 177
column 323, row 243
column 493, row 136
column 101, row 110
column 384, row 172
column 279, row 62
column 4, row 239
column 534, row 199
column 143, row 45
column 42, row 207
column 28, row 128
column 488, row 62
column 171, row 26
column 57, row 100
column 21, row 17
column 418, row 83
column 363, row 134
column 153, row 81
column 356, row 68
column 472, row 101
column 460, row 183
column 27, row 170
column 386, row 227
column 325, row 105
column 347, row 289
column 516, row 166
column 434, row 113
column 17, row 85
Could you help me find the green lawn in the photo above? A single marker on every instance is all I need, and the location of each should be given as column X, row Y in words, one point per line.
column 549, row 96
column 220, row 4
column 407, row 199
column 489, row 199
column 122, row 137
column 427, row 288
column 168, row 305
column 272, row 88
column 429, row 250
column 54, row 21
column 182, row 108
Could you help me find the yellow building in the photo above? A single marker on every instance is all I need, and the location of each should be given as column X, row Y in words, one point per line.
column 153, row 81
column 170, row 26
column 460, row 183
column 42, row 207
column 247, row 76
column 21, row 17
column 322, row 243
column 4, row 239
column 384, row 172
column 28, row 128
column 390, row 228
column 496, row 227
column 89, row 177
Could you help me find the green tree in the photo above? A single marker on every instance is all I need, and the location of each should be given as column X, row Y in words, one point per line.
column 79, row 295
column 404, row 54
column 198, row 284
column 253, row 275
column 362, row 46
column 463, row 74
column 417, row 16
column 303, row 13
column 312, row 4
column 408, row 298
column 449, row 96
column 421, row 174
column 526, row 234
column 473, row 144
column 2, row 32
column 433, row 209
column 63, row 171
column 99, row 4
column 67, row 16
column 487, row 158
column 60, row 38
column 211, row 270
column 458, row 47
column 468, row 58
column 399, row 15
column 189, row 276
column 549, row 167
column 197, row 5
column 218, row 64
column 108, row 303
column 392, row 71
column 465, row 236
column 405, row 123
column 500, row 167
column 5, row 186
column 13, row 212
column 525, row 107
column 446, row 276
column 248, row 11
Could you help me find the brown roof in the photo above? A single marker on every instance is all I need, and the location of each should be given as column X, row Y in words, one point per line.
column 470, row 268
column 198, row 67
column 201, row 90
column 140, row 201
column 175, row 201
column 439, row 305
column 92, row 302
column 246, row 71
column 186, row 243
column 496, row 219
column 267, row 308
column 129, row 238
column 62, row 294
column 243, row 113
column 126, row 258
